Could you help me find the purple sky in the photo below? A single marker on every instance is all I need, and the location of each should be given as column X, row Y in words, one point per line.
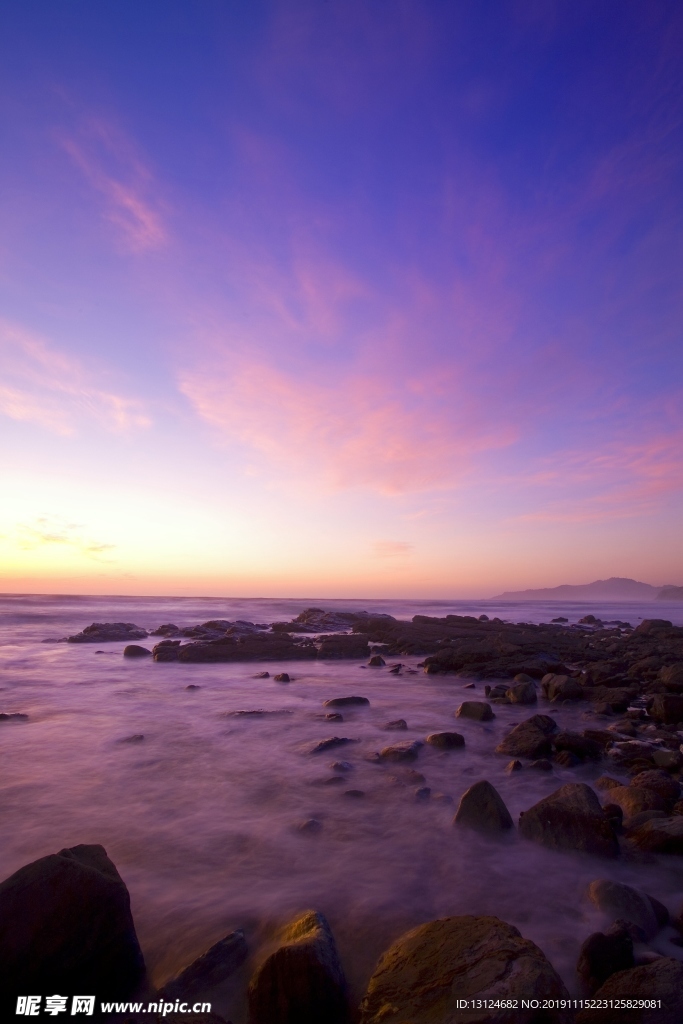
column 340, row 298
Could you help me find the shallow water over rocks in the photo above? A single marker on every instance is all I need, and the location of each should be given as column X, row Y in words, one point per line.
column 201, row 809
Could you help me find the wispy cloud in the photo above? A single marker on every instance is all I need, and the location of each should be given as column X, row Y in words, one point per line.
column 52, row 530
column 40, row 384
column 111, row 165
column 392, row 548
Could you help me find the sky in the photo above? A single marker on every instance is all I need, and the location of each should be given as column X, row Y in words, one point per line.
column 354, row 298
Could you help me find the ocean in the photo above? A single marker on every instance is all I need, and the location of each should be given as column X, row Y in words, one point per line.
column 202, row 814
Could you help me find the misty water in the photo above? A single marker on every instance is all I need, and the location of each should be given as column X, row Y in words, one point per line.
column 201, row 816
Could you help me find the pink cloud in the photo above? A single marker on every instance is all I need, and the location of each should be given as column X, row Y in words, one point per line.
column 111, row 166
column 353, row 430
column 44, row 386
column 623, row 480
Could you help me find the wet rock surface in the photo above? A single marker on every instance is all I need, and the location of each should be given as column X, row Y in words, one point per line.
column 302, row 981
column 482, row 808
column 661, row 980
column 421, row 977
column 571, row 818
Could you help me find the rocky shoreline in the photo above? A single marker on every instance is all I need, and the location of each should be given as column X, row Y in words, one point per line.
column 629, row 682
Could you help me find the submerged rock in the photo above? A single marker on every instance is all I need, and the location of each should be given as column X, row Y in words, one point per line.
column 571, row 818
column 66, row 926
column 482, row 808
column 342, row 702
column 397, row 725
column 406, row 751
column 420, row 979
column 329, row 744
column 302, row 982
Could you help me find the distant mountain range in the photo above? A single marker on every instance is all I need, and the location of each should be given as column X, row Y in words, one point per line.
column 614, row 589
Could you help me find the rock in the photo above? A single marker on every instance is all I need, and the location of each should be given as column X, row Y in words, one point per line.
column 377, row 661
column 422, row 794
column 333, row 716
column 329, row 744
column 559, row 687
column 476, row 709
column 342, row 702
column 341, row 766
column 590, row 620
column 302, row 982
column 530, row 738
column 660, row 835
column 669, row 760
column 282, row 677
column 262, row 675
column 658, row 782
column 354, row 794
column 571, row 818
column 398, row 724
column 661, row 980
column 445, row 740
column 135, row 651
column 636, row 820
column 167, row 629
column 420, row 979
column 137, row 737
column 209, row 969
column 583, row 747
column 481, row 807
column 311, row 826
column 566, row 759
column 343, row 646
column 513, row 766
column 522, row 693
column 166, row 650
column 193, row 686
column 606, row 782
column 602, row 955
column 541, row 765
column 667, row 707
column 672, row 677
column 13, row 716
column 633, row 801
column 615, row 815
column 406, row 751
column 622, row 902
column 652, row 626
column 66, row 926
column 105, row 632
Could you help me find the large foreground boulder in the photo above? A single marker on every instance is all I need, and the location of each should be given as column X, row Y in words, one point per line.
column 571, row 818
column 660, row 983
column 302, row 982
column 66, row 926
column 421, row 978
column 482, row 808
column 603, row 954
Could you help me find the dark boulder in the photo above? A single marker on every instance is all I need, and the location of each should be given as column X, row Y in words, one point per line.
column 342, row 702
column 571, row 818
column 135, row 651
column 530, row 738
column 476, row 709
column 482, row 808
column 659, row 835
column 66, row 926
column 602, row 955
column 583, row 747
column 302, row 982
column 421, row 978
column 667, row 707
column 660, row 982
column 622, row 902
column 406, row 751
column 633, row 800
column 445, row 740
column 106, row 632
column 659, row 782
column 560, row 687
